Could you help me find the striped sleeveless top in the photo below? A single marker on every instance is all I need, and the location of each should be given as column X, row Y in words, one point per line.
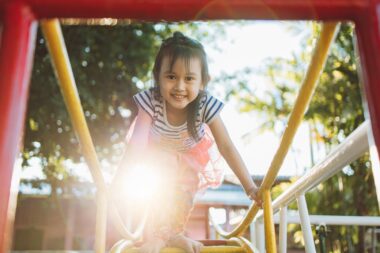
column 176, row 137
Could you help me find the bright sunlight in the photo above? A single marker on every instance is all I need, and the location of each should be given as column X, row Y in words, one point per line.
column 142, row 184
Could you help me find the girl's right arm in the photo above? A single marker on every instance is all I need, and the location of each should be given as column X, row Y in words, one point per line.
column 137, row 144
column 139, row 139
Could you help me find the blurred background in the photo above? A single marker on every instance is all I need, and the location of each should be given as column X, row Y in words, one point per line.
column 257, row 68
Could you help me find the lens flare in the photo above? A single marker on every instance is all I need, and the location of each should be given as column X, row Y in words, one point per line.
column 142, row 184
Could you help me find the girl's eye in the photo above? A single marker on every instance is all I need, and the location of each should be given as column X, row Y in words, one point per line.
column 171, row 77
column 190, row 78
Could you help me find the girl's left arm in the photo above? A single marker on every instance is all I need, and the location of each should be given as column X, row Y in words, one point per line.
column 231, row 155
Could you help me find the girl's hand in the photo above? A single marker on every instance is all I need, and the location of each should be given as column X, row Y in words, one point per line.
column 185, row 243
column 152, row 246
column 252, row 195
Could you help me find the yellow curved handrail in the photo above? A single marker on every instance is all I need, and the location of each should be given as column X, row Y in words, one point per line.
column 245, row 244
column 121, row 246
column 303, row 99
column 244, row 247
column 56, row 45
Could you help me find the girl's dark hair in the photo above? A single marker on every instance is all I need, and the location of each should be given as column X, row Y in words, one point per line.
column 183, row 47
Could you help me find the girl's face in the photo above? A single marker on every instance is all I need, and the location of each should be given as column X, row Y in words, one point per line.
column 180, row 85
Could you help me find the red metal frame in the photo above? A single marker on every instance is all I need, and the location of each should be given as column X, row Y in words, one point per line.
column 198, row 9
column 19, row 32
column 16, row 55
column 368, row 34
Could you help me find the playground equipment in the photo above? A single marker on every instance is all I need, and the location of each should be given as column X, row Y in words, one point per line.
column 19, row 21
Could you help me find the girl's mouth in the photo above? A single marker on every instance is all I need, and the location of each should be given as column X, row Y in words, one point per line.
column 178, row 97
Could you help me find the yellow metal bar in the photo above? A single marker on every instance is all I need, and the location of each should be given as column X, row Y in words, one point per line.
column 56, row 45
column 235, row 245
column 270, row 235
column 232, row 242
column 245, row 244
column 253, row 209
column 206, row 249
column 303, row 99
column 101, row 223
column 121, row 246
column 304, row 96
column 60, row 59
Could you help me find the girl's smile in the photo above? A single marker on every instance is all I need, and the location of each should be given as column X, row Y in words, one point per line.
column 178, row 97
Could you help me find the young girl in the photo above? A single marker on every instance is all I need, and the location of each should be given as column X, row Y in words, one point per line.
column 179, row 127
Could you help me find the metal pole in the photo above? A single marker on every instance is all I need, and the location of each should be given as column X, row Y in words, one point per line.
column 270, row 235
column 253, row 233
column 260, row 235
column 305, row 224
column 16, row 57
column 283, row 237
column 339, row 220
column 373, row 241
column 101, row 223
column 322, row 238
column 367, row 28
column 349, row 150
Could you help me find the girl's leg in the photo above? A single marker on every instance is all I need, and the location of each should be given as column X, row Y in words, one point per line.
column 168, row 223
column 184, row 206
column 169, row 216
column 172, row 210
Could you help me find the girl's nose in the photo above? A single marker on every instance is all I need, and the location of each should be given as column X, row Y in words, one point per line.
column 180, row 85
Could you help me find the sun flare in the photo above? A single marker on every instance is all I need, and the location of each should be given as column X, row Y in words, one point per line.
column 142, row 184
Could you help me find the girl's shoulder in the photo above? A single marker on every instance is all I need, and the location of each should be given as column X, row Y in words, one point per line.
column 207, row 99
column 209, row 107
column 151, row 94
column 148, row 100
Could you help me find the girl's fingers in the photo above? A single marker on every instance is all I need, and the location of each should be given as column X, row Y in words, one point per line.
column 259, row 202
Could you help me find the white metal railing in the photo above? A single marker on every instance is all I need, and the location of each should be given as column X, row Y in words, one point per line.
column 355, row 145
column 293, row 217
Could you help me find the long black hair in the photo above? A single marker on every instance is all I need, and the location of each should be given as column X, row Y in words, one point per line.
column 176, row 47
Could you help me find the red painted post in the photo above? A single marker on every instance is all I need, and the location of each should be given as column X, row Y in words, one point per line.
column 368, row 36
column 16, row 54
column 157, row 10
column 19, row 31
